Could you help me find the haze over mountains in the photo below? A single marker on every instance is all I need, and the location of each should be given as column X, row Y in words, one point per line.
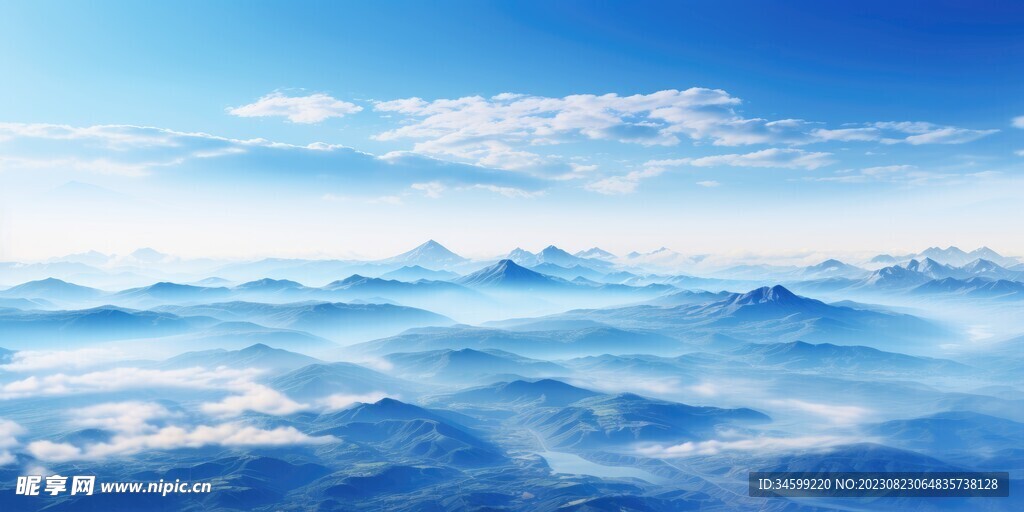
column 543, row 380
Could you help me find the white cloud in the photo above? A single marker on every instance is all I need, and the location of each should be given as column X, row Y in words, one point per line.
column 343, row 401
column 34, row 360
column 127, row 378
column 614, row 185
column 1018, row 122
column 432, row 189
column 838, row 414
column 706, row 388
column 142, row 151
column 904, row 174
column 54, row 452
column 171, row 438
column 774, row 157
column 929, row 133
column 709, row 183
column 862, row 134
column 256, row 398
column 90, row 165
column 298, row 109
column 129, row 417
column 498, row 131
column 757, row 445
column 9, row 432
column 887, row 169
column 581, row 168
column 628, row 183
column 508, row 191
column 392, row 200
column 487, row 131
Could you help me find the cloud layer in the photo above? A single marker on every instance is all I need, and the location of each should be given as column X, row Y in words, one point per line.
column 313, row 108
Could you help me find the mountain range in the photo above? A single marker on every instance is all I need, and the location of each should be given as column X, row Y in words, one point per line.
column 467, row 365
column 773, row 313
column 627, row 419
column 952, row 255
column 332, row 320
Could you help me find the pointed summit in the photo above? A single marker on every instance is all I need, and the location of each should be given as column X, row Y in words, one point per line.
column 833, row 268
column 430, row 255
column 148, row 255
column 775, row 294
column 596, row 253
column 988, row 254
column 523, row 257
column 556, row 256
column 506, row 274
column 552, row 254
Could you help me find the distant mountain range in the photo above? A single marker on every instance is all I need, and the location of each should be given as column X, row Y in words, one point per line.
column 772, row 313
column 52, row 289
column 952, row 255
column 555, row 256
column 975, row 287
column 961, row 431
column 595, row 253
column 569, row 273
column 336, row 321
column 979, row 279
column 49, row 329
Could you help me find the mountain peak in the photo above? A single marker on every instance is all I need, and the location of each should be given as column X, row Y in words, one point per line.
column 505, row 273
column 258, row 347
column 429, row 254
column 595, row 253
column 148, row 255
column 774, row 294
column 268, row 283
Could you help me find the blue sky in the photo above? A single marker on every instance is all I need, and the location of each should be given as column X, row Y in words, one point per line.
column 362, row 128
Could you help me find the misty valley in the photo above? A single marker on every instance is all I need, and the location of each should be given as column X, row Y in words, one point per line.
column 540, row 381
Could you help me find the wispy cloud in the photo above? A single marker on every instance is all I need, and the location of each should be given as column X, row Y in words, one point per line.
column 313, row 108
column 172, row 438
column 918, row 133
column 774, row 157
column 760, row 445
column 904, row 173
column 9, row 432
column 256, row 398
column 504, row 131
column 35, row 360
column 131, row 417
column 126, row 378
column 837, row 414
column 780, row 158
column 342, row 400
column 140, row 151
